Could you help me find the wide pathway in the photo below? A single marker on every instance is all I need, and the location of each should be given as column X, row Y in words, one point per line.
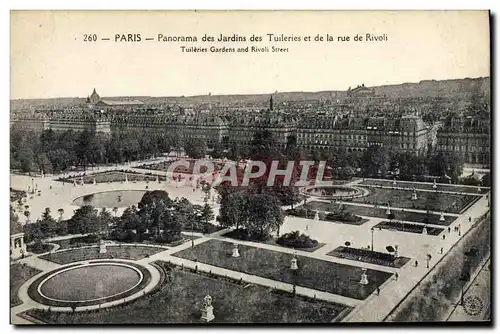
column 376, row 308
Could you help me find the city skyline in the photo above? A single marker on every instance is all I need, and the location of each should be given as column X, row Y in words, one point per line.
column 49, row 59
column 244, row 93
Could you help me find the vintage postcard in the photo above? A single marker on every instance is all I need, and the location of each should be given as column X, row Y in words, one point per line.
column 250, row 167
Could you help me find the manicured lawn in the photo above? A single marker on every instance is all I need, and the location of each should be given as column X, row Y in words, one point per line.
column 368, row 256
column 179, row 301
column 416, row 217
column 406, row 227
column 113, row 252
column 425, row 200
column 39, row 248
column 315, row 274
column 62, row 286
column 18, row 275
column 425, row 186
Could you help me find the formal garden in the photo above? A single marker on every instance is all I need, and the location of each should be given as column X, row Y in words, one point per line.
column 425, row 186
column 433, row 201
column 369, row 256
column 370, row 211
column 402, row 226
column 19, row 274
column 312, row 273
column 179, row 298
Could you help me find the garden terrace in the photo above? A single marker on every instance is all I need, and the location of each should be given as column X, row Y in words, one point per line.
column 19, row 274
column 366, row 211
column 126, row 252
column 114, row 176
column 408, row 227
column 433, row 201
column 425, row 186
column 368, row 256
column 313, row 273
column 180, row 302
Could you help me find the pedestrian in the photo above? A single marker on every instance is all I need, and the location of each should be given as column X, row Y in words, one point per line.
column 470, row 219
column 378, row 291
column 444, row 236
column 416, row 263
column 449, row 229
column 396, row 276
column 441, row 250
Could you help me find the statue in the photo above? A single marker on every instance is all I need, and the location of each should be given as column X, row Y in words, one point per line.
column 236, row 253
column 207, row 310
column 364, row 277
column 441, row 217
column 414, row 195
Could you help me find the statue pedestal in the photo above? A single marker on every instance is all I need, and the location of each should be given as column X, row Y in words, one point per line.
column 207, row 313
column 414, row 196
column 441, row 218
column 364, row 279
column 424, row 231
column 102, row 249
column 293, row 264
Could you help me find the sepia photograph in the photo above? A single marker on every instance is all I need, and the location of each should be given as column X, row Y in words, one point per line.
column 250, row 167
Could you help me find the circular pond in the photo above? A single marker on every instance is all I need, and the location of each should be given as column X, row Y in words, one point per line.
column 336, row 192
column 90, row 282
column 111, row 199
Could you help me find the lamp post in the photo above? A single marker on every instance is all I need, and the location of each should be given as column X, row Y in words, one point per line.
column 373, row 230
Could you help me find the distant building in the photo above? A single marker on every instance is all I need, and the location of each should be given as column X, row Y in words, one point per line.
column 96, row 102
column 360, row 91
column 469, row 137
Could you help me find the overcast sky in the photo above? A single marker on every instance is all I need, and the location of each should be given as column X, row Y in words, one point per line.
column 50, row 59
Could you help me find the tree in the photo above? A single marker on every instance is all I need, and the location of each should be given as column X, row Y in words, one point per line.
column 15, row 226
column 207, row 213
column 27, row 215
column 84, row 220
column 218, row 151
column 233, row 209
column 376, row 161
column 61, row 213
column 48, row 225
column 195, row 148
column 264, row 215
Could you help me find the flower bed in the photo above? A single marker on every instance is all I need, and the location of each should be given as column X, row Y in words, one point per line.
column 296, row 240
column 408, row 227
column 369, row 256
